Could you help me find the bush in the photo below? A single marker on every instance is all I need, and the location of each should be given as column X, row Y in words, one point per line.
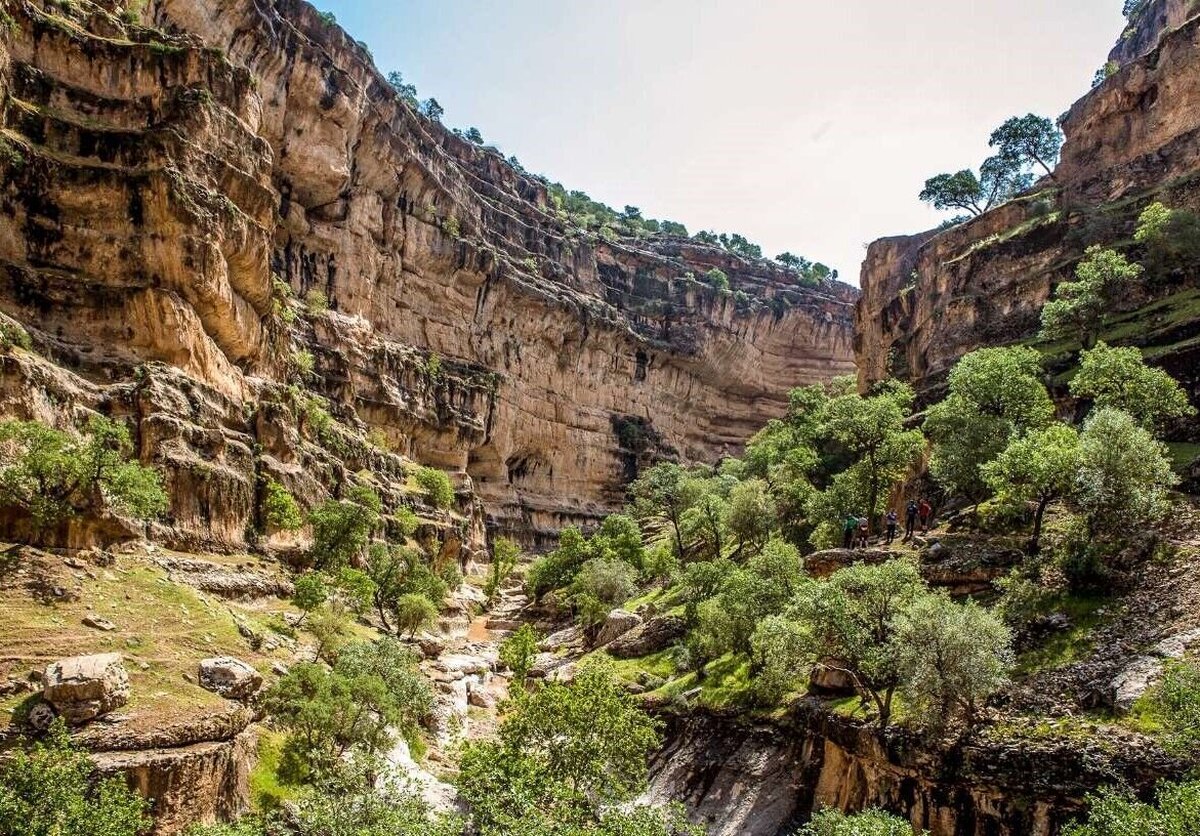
column 717, row 278
column 279, row 508
column 1179, row 699
column 558, row 568
column 50, row 790
column 436, row 486
column 601, row 585
column 868, row 823
column 1115, row 812
column 52, row 476
column 342, row 527
column 505, row 554
column 779, row 649
column 518, row 651
column 310, row 592
column 413, row 612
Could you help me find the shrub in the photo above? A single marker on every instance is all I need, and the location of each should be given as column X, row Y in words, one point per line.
column 49, row 790
column 279, row 507
column 437, row 487
column 341, row 528
column 310, row 592
column 716, row 278
column 1179, row 699
column 779, row 649
column 601, row 585
column 868, row 823
column 52, row 476
column 316, row 302
column 505, row 554
column 518, row 651
column 1115, row 812
column 413, row 612
column 14, row 334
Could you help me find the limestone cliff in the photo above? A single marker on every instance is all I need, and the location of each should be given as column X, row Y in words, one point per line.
column 929, row 299
column 172, row 176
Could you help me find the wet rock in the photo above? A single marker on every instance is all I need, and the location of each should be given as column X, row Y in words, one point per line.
column 229, row 677
column 83, row 688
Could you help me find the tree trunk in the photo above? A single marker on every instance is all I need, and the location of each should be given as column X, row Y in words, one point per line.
column 1035, row 543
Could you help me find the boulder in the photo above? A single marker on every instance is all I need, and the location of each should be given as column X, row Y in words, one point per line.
column 651, row 636
column 618, row 623
column 1142, row 672
column 229, row 677
column 83, row 688
column 98, row 623
column 827, row 679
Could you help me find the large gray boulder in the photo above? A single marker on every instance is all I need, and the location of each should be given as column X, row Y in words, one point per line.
column 654, row 635
column 618, row 623
column 83, row 688
column 229, row 677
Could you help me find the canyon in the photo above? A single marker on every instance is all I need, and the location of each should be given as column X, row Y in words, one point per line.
column 219, row 223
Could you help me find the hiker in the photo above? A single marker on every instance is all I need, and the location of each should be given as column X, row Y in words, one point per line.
column 848, row 528
column 910, row 519
column 892, row 520
column 925, row 512
column 864, row 532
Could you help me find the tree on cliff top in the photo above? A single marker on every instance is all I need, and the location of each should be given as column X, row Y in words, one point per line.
column 1000, row 178
column 1028, row 140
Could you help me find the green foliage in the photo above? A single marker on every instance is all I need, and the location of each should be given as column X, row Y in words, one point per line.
column 1178, row 698
column 407, row 92
column 413, row 612
column 750, row 515
column 717, row 278
column 1039, row 467
column 355, row 589
column 1119, row 378
column 600, row 585
column 1079, row 306
column 856, row 617
column 52, row 475
column 303, row 363
column 279, row 508
column 1124, row 474
column 342, row 527
column 316, row 302
column 999, row 180
column 349, row 709
column 12, row 334
column 436, row 486
column 830, row 822
column 779, row 651
column 1171, row 238
column 1115, row 812
column 564, row 754
column 332, row 629
column 995, row 394
column 1029, row 140
column 505, row 554
column 664, row 493
column 518, row 651
column 558, row 568
column 952, row 657
column 397, row 571
column 49, row 791
column 310, row 592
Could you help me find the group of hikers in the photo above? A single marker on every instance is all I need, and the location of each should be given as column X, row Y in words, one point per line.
column 856, row 531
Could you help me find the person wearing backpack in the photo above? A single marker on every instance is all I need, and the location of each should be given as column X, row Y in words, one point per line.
column 891, row 521
column 864, row 532
column 910, row 519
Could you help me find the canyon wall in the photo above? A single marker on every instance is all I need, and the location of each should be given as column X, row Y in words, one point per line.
column 930, row 298
column 173, row 176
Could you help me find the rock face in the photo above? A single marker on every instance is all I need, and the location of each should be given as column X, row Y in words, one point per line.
column 618, row 624
column 930, row 298
column 83, row 688
column 170, row 184
column 742, row 779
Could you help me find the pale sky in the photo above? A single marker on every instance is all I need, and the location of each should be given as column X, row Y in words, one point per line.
column 805, row 127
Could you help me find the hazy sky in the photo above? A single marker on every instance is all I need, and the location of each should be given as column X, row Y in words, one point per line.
column 804, row 126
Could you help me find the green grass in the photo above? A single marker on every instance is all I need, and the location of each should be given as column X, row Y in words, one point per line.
column 267, row 791
column 727, row 684
column 1070, row 645
column 658, row 664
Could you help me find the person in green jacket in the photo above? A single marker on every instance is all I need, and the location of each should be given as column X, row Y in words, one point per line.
column 849, row 527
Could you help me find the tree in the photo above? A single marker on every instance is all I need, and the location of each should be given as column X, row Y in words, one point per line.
column 310, row 593
column 279, row 507
column 505, row 554
column 1178, row 699
column 1030, row 139
column 408, row 92
column 601, row 584
column 342, row 527
column 1123, row 475
column 53, row 476
column 1000, row 178
column 1079, row 306
column 558, row 568
column 830, row 822
column 1116, row 812
column 49, row 791
column 872, row 430
column 779, row 649
column 431, row 109
column 518, row 651
column 855, row 617
column 474, row 135
column 619, row 538
column 1038, row 467
column 413, row 612
column 1119, row 378
column 750, row 515
column 994, row 395
column 952, row 657
column 664, row 492
column 332, row 629
column 436, row 486
column 717, row 278
column 349, row 709
column 1171, row 238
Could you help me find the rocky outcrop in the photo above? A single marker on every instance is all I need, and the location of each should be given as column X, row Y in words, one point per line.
column 83, row 688
column 1147, row 26
column 229, row 677
column 931, row 298
column 745, row 779
column 176, row 184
